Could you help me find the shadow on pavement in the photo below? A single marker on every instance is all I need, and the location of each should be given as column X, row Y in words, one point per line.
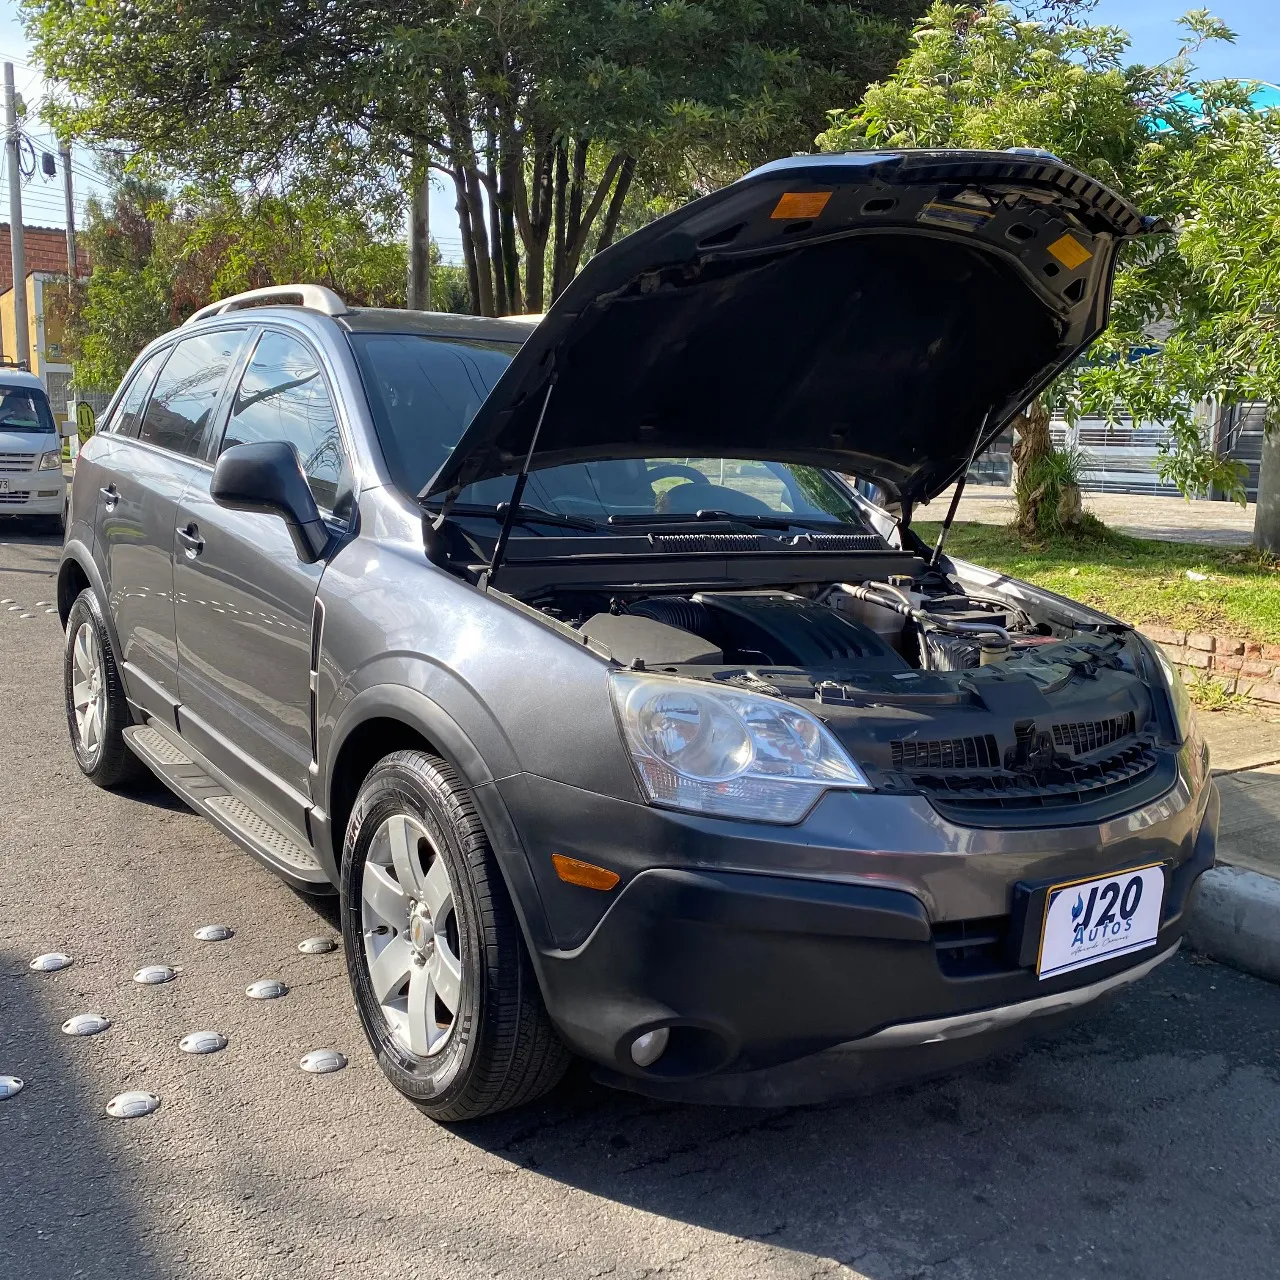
column 1140, row 1143
column 34, row 531
column 66, row 1208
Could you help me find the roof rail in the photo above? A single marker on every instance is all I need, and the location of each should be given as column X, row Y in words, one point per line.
column 313, row 296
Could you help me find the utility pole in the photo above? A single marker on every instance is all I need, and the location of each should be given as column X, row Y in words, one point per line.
column 68, row 196
column 22, row 339
column 420, row 243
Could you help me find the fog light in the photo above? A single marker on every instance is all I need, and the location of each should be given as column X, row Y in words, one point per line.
column 648, row 1048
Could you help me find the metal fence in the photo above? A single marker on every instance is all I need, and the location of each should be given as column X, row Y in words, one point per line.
column 1122, row 457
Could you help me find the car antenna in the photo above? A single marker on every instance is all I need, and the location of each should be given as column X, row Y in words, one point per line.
column 959, row 489
column 517, row 492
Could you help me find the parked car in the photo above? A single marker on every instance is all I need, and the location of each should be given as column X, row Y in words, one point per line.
column 31, row 480
column 622, row 724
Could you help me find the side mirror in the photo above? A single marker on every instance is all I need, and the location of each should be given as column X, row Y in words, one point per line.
column 267, row 477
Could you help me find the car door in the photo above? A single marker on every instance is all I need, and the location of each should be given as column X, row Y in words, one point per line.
column 143, row 467
column 244, row 600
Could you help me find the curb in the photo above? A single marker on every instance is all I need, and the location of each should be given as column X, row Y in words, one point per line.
column 1236, row 921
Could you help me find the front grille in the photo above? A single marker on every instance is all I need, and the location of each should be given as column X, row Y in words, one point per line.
column 1064, row 784
column 15, row 497
column 947, row 753
column 15, row 462
column 1088, row 736
column 969, row 948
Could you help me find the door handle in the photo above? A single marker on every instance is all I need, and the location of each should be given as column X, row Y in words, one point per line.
column 110, row 496
column 191, row 540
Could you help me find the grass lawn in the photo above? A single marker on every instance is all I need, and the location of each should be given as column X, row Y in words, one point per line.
column 1136, row 579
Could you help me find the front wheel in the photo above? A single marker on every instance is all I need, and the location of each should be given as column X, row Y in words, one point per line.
column 438, row 966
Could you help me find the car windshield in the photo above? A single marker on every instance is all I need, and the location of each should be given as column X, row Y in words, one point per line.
column 25, row 409
column 424, row 391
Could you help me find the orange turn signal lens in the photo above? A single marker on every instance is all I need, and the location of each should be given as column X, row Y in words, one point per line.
column 801, row 204
column 574, row 871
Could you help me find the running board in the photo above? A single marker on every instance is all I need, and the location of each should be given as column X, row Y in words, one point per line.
column 185, row 774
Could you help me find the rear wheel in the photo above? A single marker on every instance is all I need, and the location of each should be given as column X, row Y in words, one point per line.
column 97, row 710
column 437, row 963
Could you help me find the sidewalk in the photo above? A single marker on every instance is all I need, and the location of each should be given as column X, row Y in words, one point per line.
column 1222, row 524
column 1236, row 919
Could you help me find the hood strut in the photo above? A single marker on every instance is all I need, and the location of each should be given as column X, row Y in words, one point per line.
column 959, row 490
column 517, row 492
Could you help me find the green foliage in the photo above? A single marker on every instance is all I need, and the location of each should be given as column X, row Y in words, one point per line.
column 158, row 256
column 1192, row 151
column 543, row 113
column 1048, row 489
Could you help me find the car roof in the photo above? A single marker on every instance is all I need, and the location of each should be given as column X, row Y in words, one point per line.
column 19, row 378
column 438, row 324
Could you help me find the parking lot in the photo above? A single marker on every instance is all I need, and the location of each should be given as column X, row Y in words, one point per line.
column 1143, row 1144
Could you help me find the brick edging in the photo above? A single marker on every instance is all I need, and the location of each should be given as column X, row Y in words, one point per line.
column 1240, row 666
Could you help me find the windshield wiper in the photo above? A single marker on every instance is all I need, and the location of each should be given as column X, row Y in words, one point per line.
column 715, row 516
column 526, row 514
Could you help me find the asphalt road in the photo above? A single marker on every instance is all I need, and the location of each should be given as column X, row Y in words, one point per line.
column 1144, row 1143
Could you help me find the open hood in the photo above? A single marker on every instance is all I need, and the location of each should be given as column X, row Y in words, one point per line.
column 883, row 313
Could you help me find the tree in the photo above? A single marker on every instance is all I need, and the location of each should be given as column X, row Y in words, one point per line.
column 159, row 255
column 545, row 115
column 1195, row 152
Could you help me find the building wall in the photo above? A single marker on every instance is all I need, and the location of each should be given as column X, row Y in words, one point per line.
column 45, row 354
column 44, row 248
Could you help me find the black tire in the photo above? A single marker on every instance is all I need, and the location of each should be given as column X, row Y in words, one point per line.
column 502, row 1050
column 108, row 762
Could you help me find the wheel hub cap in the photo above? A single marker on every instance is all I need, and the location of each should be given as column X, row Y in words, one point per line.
column 411, row 937
column 88, row 692
column 421, row 931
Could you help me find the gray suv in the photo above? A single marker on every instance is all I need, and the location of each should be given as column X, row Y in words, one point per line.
column 572, row 654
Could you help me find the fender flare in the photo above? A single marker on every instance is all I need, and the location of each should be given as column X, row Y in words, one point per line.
column 75, row 552
column 433, row 722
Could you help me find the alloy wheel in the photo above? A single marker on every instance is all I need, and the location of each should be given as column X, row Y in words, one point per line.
column 411, row 940
column 88, row 689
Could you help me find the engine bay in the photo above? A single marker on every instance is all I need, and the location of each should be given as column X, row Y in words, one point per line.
column 964, row 696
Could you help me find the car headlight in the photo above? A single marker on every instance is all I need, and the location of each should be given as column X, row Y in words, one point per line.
column 1184, row 714
column 727, row 752
column 51, row 460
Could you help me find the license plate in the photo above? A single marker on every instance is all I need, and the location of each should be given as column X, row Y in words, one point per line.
column 4, row 486
column 1086, row 921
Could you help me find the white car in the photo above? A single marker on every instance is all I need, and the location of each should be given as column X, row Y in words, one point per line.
column 31, row 479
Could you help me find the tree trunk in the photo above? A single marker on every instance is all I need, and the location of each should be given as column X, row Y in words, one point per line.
column 616, row 201
column 1266, row 522
column 468, row 240
column 490, row 179
column 484, row 301
column 560, row 183
column 533, row 218
column 1045, row 502
column 419, row 291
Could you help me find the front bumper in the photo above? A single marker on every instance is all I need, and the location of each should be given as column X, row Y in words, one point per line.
column 37, row 493
column 766, row 979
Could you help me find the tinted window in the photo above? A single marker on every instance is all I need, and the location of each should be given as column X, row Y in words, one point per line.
column 128, row 415
column 424, row 392
column 283, row 396
column 25, row 409
column 186, row 392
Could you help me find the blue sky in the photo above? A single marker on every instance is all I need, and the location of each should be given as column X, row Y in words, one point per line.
column 1254, row 56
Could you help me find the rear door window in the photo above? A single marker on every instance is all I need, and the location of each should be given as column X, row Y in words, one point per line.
column 187, row 391
column 128, row 415
column 283, row 396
